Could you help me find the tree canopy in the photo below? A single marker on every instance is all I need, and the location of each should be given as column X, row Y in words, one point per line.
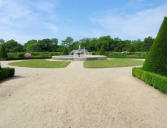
column 3, row 53
column 13, row 46
column 68, row 41
column 2, row 41
column 101, row 44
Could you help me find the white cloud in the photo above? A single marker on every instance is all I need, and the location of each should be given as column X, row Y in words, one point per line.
column 133, row 26
column 23, row 20
column 53, row 28
column 46, row 6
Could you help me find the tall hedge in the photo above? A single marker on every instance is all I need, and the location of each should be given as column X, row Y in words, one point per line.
column 3, row 53
column 156, row 61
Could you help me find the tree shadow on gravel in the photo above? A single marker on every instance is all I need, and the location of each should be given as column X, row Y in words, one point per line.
column 11, row 78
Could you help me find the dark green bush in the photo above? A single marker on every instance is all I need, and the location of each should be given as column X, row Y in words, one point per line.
column 35, row 55
column 6, row 72
column 156, row 60
column 3, row 54
column 157, row 81
column 15, row 55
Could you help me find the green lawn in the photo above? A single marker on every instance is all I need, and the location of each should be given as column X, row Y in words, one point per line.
column 41, row 64
column 116, row 62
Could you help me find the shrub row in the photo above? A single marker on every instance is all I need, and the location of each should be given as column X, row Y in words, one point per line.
column 157, row 81
column 124, row 54
column 35, row 55
column 46, row 55
column 6, row 72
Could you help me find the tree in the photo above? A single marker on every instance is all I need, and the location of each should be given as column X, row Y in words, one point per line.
column 54, row 44
column 65, row 51
column 127, row 46
column 147, row 43
column 156, row 60
column 101, row 51
column 75, row 45
column 103, row 43
column 2, row 41
column 88, row 43
column 32, row 46
column 46, row 45
column 137, row 45
column 3, row 53
column 68, row 41
column 54, row 41
column 13, row 46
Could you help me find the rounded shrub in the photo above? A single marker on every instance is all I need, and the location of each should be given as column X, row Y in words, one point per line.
column 3, row 53
column 6, row 72
column 156, row 61
column 27, row 55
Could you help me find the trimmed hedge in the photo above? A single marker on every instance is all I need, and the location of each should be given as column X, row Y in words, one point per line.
column 156, row 60
column 140, row 55
column 157, row 81
column 6, row 72
column 46, row 55
column 35, row 55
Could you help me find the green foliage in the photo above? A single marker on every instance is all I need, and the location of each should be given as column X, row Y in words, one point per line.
column 15, row 55
column 116, row 44
column 126, row 54
column 35, row 55
column 140, row 55
column 2, row 41
column 6, row 72
column 3, row 54
column 137, row 45
column 45, row 45
column 88, row 43
column 68, row 41
column 54, row 44
column 101, row 51
column 156, row 60
column 41, row 64
column 13, row 46
column 147, row 43
column 112, row 63
column 100, row 45
column 157, row 81
column 65, row 51
column 32, row 46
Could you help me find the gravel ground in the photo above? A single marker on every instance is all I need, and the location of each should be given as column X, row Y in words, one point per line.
column 75, row 97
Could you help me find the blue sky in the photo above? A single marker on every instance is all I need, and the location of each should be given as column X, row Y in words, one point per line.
column 23, row 20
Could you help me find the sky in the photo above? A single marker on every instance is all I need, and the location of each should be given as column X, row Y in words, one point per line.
column 23, row 20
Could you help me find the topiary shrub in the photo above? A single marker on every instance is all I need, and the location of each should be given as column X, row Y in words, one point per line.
column 3, row 54
column 6, row 72
column 156, row 61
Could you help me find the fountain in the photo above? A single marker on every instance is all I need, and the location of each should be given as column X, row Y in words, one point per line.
column 80, row 54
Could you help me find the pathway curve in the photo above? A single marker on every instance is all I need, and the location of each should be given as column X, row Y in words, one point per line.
column 76, row 97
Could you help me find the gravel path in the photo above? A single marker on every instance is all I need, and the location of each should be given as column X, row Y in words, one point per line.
column 75, row 97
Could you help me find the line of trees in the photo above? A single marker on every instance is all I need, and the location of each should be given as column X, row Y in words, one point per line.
column 104, row 43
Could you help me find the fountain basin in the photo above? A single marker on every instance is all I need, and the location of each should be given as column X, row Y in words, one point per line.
column 79, row 58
